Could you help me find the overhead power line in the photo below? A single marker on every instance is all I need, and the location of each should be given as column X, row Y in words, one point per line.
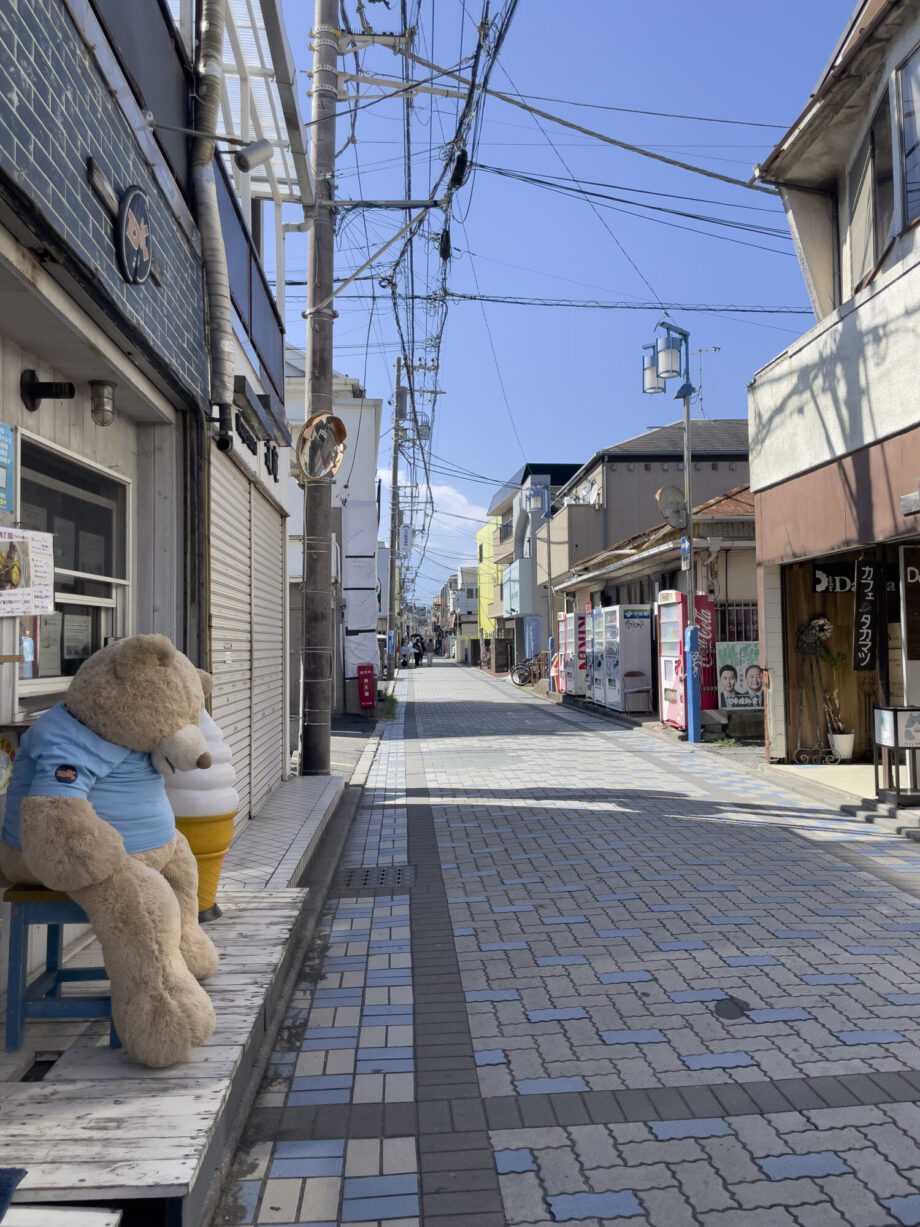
column 598, row 305
column 700, row 119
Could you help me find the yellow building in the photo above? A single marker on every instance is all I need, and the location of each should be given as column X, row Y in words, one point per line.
column 490, row 575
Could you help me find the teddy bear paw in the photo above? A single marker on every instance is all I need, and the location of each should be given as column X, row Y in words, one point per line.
column 200, row 954
column 159, row 1026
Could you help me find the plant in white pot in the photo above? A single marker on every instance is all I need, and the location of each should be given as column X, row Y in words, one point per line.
column 840, row 735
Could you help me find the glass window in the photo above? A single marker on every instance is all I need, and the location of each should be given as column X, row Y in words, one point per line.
column 872, row 196
column 87, row 513
column 910, row 135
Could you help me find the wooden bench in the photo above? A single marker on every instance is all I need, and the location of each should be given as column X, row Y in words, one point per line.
column 33, row 905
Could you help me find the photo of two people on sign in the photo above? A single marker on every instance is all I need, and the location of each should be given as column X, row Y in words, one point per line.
column 740, row 675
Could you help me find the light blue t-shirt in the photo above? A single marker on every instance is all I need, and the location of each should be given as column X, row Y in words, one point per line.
column 60, row 757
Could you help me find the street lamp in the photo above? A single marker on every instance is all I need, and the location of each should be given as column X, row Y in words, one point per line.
column 669, row 358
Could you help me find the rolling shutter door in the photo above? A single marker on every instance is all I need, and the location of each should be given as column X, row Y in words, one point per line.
column 231, row 617
column 268, row 664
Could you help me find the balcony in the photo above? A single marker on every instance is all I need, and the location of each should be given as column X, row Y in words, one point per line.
column 503, row 543
column 496, row 607
column 517, row 588
column 575, row 532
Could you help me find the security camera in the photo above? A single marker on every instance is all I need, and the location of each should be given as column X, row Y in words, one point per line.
column 251, row 156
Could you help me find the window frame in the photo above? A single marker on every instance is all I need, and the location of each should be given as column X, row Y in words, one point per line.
column 906, row 220
column 117, row 608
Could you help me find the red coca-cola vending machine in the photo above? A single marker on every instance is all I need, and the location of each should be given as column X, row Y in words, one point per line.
column 672, row 622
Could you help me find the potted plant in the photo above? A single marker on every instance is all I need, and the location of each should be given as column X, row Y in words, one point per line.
column 840, row 737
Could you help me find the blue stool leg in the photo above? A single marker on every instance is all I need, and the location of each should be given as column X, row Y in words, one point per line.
column 54, row 955
column 16, row 980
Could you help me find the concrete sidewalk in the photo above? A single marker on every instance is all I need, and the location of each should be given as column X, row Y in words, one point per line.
column 579, row 974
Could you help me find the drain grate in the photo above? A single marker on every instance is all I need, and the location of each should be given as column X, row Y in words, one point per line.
column 376, row 877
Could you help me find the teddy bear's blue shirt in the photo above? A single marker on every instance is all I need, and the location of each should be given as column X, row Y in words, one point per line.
column 60, row 757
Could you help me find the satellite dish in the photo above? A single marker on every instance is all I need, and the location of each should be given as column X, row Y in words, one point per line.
column 320, row 446
column 671, row 504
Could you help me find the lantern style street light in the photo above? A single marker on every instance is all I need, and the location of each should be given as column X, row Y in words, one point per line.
column 668, row 357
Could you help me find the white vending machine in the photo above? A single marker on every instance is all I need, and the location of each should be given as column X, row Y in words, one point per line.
column 628, row 658
column 576, row 659
column 596, row 659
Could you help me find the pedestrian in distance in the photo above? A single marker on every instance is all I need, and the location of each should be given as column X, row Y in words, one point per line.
column 404, row 654
column 417, row 651
column 429, row 653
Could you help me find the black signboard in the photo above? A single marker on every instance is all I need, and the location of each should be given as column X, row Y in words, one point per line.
column 133, row 240
column 870, row 580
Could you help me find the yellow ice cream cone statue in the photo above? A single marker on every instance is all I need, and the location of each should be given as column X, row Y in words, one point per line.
column 205, row 804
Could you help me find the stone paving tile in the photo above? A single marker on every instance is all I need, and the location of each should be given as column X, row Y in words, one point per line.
column 670, row 1006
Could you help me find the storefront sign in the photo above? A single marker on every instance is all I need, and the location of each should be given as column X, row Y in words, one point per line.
column 26, row 573
column 834, row 576
column 133, row 242
column 870, row 577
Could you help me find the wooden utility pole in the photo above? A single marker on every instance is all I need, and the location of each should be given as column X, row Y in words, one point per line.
column 399, row 414
column 318, row 627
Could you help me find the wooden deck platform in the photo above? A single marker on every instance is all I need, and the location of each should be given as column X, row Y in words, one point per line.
column 103, row 1130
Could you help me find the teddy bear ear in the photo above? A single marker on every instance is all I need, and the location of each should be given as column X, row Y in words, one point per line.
column 207, row 682
column 140, row 651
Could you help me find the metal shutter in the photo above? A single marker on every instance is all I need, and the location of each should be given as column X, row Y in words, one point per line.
column 231, row 617
column 268, row 664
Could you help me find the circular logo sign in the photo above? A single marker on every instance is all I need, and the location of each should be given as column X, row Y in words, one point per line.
column 133, row 240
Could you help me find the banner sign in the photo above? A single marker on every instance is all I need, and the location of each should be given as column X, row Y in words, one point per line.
column 870, row 578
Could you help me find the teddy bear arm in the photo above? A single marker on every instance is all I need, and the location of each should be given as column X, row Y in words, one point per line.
column 66, row 845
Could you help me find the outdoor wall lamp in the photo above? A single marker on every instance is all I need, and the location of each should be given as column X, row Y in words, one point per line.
column 102, row 401
column 251, row 155
column 33, row 390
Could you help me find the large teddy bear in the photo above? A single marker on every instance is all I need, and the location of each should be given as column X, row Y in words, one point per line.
column 87, row 813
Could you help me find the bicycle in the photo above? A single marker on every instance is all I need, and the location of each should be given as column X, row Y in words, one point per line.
column 529, row 671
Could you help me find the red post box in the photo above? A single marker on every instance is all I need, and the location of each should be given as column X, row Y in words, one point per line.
column 367, row 689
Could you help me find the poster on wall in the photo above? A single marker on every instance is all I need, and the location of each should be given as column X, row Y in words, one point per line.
column 78, row 636
column 49, row 645
column 26, row 573
column 740, row 675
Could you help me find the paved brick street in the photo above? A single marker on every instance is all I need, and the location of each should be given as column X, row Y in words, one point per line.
column 572, row 973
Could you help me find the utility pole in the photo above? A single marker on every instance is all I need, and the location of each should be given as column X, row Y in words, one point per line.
column 316, row 605
column 399, row 412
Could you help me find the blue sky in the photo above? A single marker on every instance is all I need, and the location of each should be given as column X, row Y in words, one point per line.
column 547, row 383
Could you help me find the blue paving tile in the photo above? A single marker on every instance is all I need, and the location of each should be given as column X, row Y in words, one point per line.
column 718, row 1060
column 386, row 1020
column 624, row 977
column 302, row 1099
column 695, row 944
column 905, row 1209
column 312, row 1044
column 750, row 960
column 907, row 928
column 247, row 1194
column 541, row 1086
column 620, row 932
column 491, row 1056
column 697, row 994
column 520, row 907
column 789, row 1014
column 362, row 1210
column 717, row 890
column 467, row 899
column 708, row 1127
column 553, row 1015
column 309, row 1150
column 502, row 994
column 481, row 873
column 562, row 960
column 594, row 1205
column 842, row 977
column 793, row 1167
column 649, row 1036
column 871, row 1037
column 870, row 950
column 464, row 932
column 514, row 1161
column 904, row 998
column 306, row 1167
column 662, row 877
column 616, row 896
column 380, row 1186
